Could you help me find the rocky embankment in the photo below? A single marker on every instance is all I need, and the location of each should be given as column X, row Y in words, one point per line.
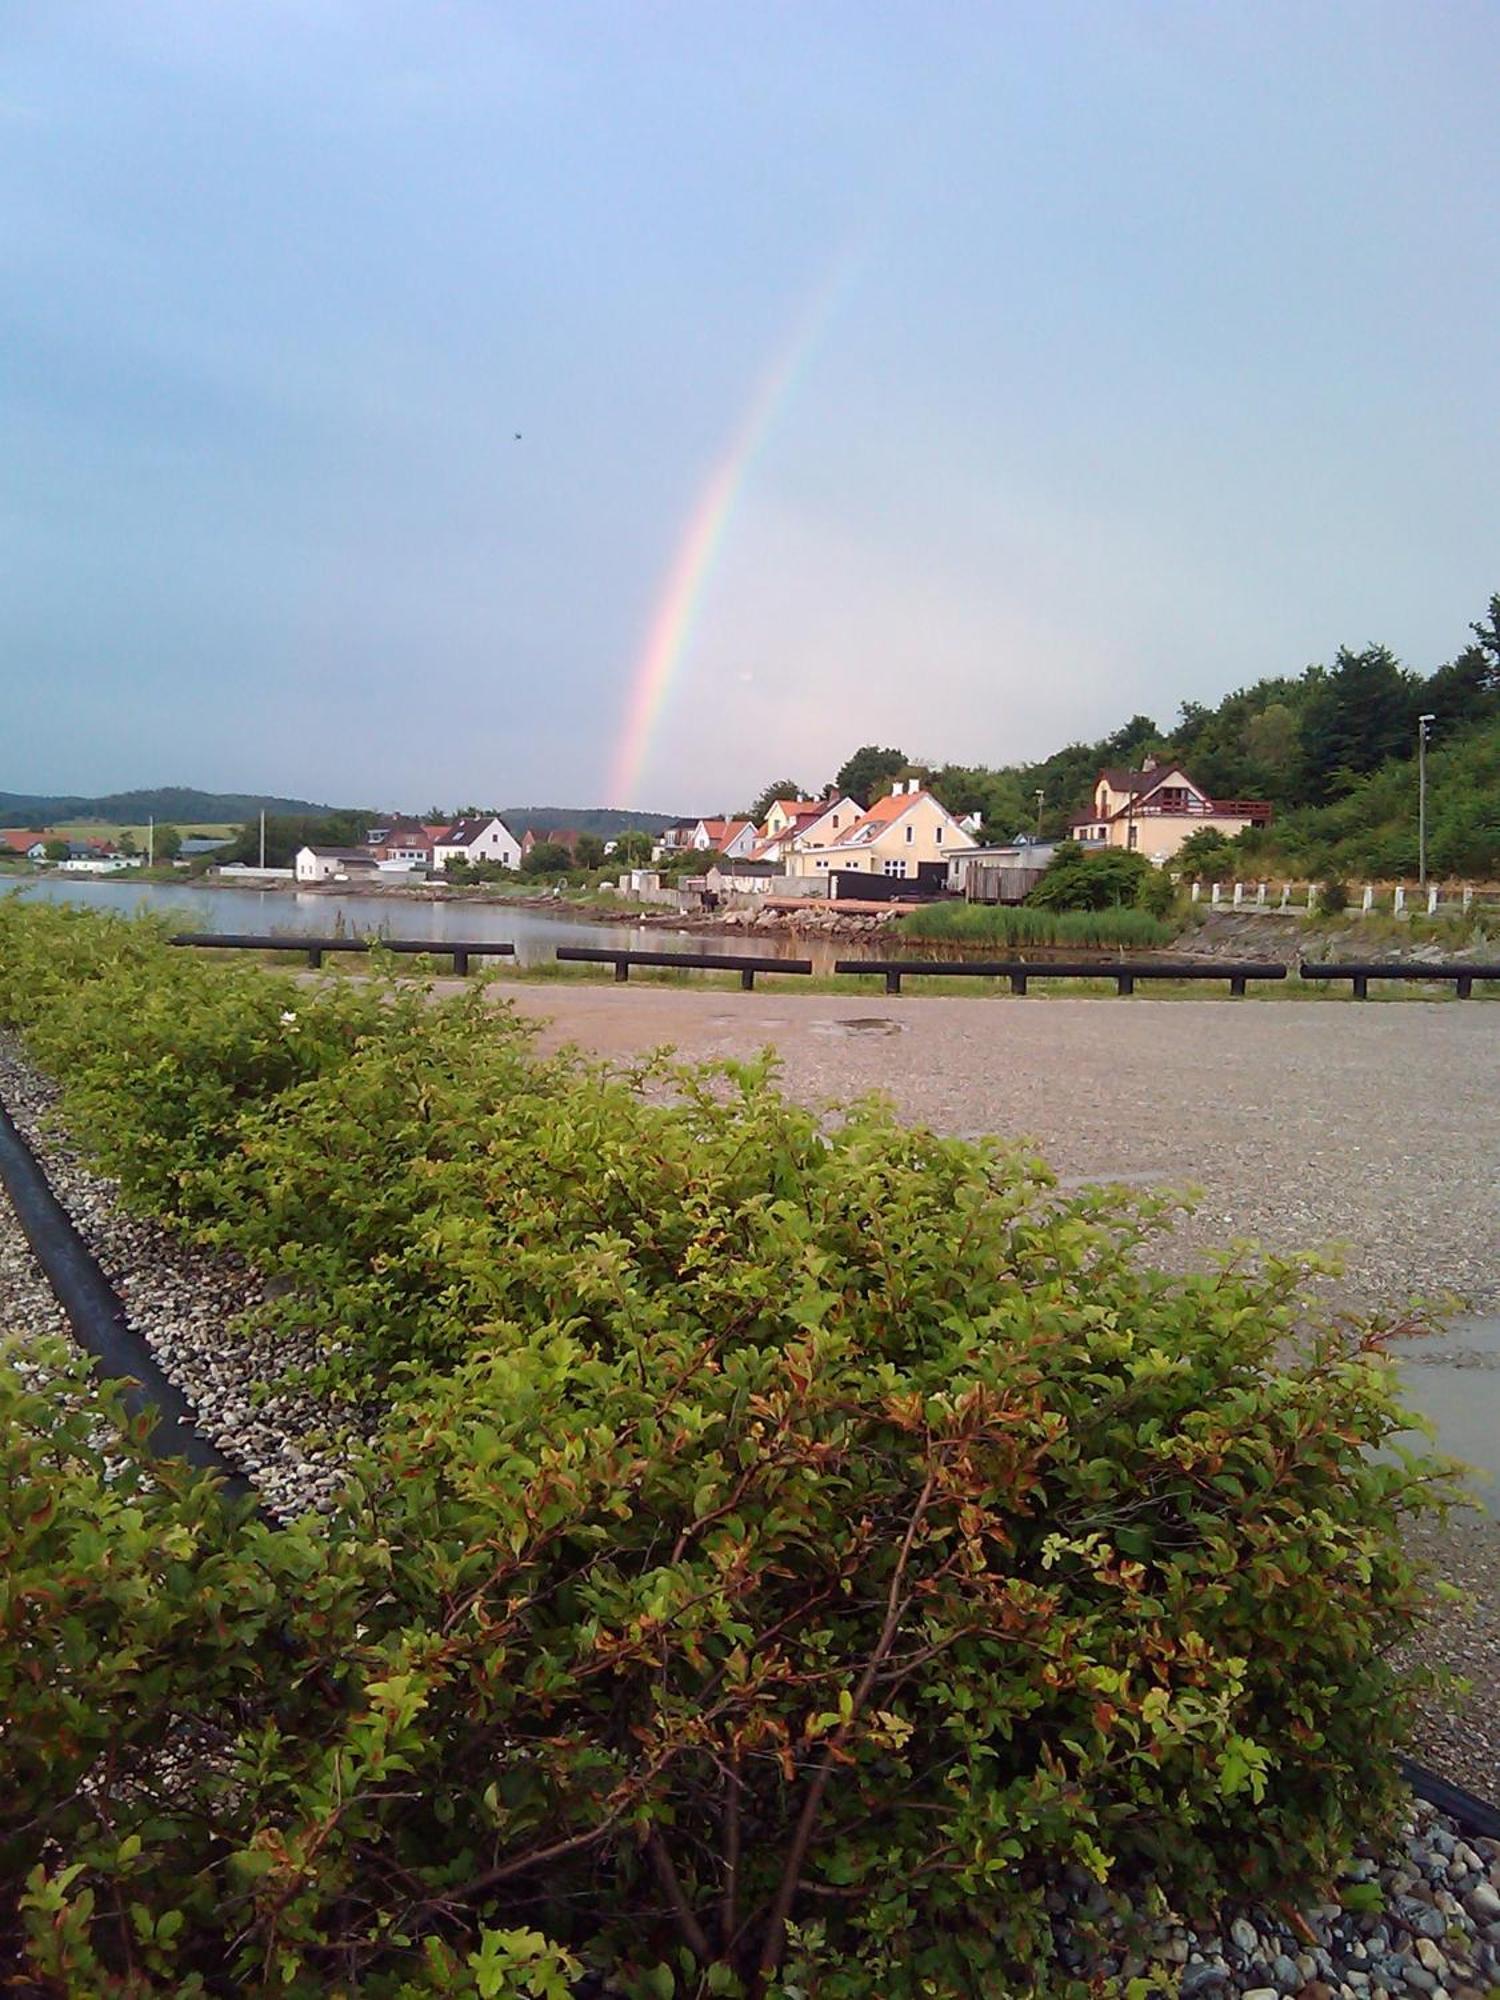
column 1264, row 934
column 818, row 920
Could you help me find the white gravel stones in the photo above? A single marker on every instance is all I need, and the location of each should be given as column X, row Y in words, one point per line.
column 1405, row 1945
column 190, row 1307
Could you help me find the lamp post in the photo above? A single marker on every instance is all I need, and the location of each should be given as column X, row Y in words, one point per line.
column 1423, row 722
column 1041, row 794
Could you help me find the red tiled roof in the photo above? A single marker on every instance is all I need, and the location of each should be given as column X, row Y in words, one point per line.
column 18, row 838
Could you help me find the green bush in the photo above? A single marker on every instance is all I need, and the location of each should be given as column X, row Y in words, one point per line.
column 1158, row 894
column 792, row 1543
column 1082, row 878
column 1333, row 896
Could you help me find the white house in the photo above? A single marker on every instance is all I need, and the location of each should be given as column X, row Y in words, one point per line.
column 477, row 840
column 335, row 864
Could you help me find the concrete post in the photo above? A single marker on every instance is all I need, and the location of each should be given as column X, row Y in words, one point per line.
column 1213, row 896
column 1398, row 907
column 1432, row 899
column 1468, row 898
column 1286, row 894
column 1197, row 890
column 1368, row 901
column 1239, row 894
column 1260, row 895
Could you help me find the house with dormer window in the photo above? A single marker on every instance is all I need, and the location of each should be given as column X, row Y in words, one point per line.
column 1153, row 810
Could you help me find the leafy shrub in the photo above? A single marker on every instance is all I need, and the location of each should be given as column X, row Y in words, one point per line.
column 792, row 1544
column 1333, row 896
column 1158, row 894
column 1081, row 878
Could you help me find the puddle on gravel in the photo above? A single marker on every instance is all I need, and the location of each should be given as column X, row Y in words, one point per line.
column 1454, row 1379
column 859, row 1024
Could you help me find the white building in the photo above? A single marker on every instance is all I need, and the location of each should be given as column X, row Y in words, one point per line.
column 477, row 840
column 335, row 864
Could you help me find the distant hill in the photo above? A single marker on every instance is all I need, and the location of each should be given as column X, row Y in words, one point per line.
column 603, row 820
column 167, row 802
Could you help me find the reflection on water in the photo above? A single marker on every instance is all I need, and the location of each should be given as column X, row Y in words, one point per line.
column 534, row 933
column 1454, row 1379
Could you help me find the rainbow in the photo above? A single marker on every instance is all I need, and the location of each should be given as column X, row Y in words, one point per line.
column 670, row 629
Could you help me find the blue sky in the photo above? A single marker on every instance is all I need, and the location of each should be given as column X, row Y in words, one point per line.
column 1168, row 359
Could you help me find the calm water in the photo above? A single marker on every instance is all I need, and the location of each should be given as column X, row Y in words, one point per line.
column 534, row 933
column 1454, row 1379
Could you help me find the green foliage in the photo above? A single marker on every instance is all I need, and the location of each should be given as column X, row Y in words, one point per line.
column 633, row 850
column 1083, row 878
column 56, row 850
column 1203, row 851
column 1333, row 896
column 166, row 843
column 792, row 1542
column 548, row 857
column 997, row 924
column 287, row 832
column 1157, row 894
column 865, row 772
column 588, row 851
column 781, row 788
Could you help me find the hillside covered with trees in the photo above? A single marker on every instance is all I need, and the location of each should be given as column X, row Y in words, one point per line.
column 1333, row 749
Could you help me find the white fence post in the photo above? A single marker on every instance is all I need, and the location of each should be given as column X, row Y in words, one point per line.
column 1286, row 894
column 1368, row 902
column 1239, row 894
column 1398, row 905
column 1432, row 900
column 1260, row 895
column 1468, row 898
column 1213, row 896
column 1197, row 890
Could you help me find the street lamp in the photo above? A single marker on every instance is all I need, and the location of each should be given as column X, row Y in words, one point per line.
column 1422, row 726
column 1041, row 794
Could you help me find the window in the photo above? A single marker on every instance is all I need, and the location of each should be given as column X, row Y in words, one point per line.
column 909, row 831
column 896, row 867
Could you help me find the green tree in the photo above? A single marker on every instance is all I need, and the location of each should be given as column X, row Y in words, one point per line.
column 167, row 843
column 589, row 851
column 548, row 857
column 1207, row 848
column 127, row 843
column 633, row 849
column 784, row 788
column 1359, row 713
column 1082, row 878
column 57, row 850
column 864, row 773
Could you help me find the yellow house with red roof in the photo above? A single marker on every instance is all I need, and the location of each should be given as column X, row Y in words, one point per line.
column 898, row 832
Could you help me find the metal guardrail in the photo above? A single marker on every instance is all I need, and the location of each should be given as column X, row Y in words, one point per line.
column 1363, row 971
column 459, row 950
column 681, row 961
column 1021, row 971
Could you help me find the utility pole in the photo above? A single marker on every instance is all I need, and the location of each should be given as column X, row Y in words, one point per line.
column 1041, row 794
column 262, row 837
column 1423, row 722
column 151, row 842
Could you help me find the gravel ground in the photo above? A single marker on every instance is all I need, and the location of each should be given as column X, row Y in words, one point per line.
column 186, row 1304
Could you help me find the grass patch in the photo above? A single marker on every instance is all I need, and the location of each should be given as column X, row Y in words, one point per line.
column 992, row 924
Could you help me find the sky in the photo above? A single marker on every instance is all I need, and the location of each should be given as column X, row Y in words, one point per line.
column 966, row 378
